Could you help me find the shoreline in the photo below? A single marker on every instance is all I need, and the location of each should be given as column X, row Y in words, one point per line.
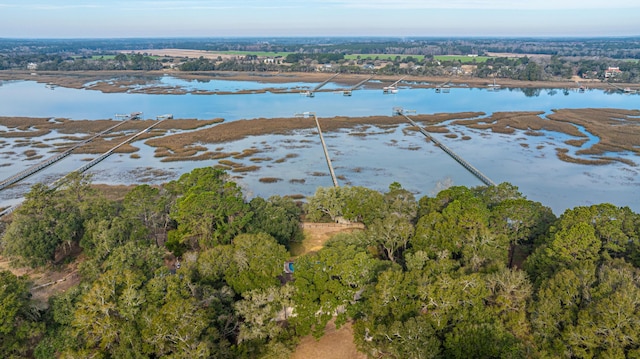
column 128, row 81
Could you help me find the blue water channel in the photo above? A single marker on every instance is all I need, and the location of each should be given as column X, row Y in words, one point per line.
column 381, row 157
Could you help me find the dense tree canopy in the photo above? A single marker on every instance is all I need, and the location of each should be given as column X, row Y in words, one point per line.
column 192, row 269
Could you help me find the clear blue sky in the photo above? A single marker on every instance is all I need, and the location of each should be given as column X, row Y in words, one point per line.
column 211, row 18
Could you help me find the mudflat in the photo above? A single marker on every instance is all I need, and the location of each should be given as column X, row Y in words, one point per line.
column 130, row 81
column 617, row 131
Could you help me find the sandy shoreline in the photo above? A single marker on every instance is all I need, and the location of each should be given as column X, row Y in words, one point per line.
column 129, row 81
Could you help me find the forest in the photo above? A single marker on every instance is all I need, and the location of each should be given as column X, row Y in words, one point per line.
column 468, row 273
column 542, row 59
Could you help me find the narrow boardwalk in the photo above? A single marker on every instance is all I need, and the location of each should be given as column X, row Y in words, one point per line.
column 51, row 160
column 324, row 83
column 474, row 171
column 87, row 166
column 348, row 91
column 326, row 153
column 392, row 88
column 103, row 156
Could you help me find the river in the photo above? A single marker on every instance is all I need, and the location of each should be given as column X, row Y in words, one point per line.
column 382, row 156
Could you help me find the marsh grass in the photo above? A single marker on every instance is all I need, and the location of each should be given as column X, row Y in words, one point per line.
column 246, row 153
column 269, row 180
column 285, row 158
column 260, row 159
column 230, row 163
column 245, row 169
column 562, row 155
column 576, row 143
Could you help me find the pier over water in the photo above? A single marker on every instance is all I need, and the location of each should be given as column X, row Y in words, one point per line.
column 474, row 171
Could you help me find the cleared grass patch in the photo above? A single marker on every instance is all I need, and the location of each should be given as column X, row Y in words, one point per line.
column 463, row 59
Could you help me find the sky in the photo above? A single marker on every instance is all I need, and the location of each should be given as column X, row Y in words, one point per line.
column 229, row 18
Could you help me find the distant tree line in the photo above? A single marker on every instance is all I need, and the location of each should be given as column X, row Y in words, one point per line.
column 56, row 62
column 588, row 58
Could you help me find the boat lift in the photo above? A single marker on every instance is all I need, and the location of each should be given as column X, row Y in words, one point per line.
column 392, row 89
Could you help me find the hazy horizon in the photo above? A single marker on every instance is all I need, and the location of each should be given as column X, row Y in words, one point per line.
column 85, row 19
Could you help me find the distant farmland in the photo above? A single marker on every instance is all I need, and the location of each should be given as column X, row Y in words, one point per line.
column 256, row 53
column 462, row 58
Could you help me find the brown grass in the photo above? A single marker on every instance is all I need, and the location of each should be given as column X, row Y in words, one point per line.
column 269, row 180
column 618, row 130
column 576, row 143
column 562, row 154
column 245, row 169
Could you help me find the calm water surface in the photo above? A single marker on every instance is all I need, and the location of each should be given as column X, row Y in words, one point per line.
column 375, row 160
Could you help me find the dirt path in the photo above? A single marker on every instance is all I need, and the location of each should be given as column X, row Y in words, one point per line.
column 46, row 282
column 336, row 343
column 316, row 234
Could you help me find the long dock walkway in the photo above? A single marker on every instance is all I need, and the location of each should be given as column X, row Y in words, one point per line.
column 474, row 171
column 393, row 87
column 103, row 156
column 51, row 160
column 324, row 82
column 348, row 91
column 326, row 153
column 88, row 165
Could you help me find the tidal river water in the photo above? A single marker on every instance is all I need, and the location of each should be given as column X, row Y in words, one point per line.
column 374, row 158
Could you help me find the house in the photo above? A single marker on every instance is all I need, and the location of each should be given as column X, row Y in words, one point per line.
column 32, row 66
column 612, row 72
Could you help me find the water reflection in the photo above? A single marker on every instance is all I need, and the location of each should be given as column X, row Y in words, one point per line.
column 28, row 98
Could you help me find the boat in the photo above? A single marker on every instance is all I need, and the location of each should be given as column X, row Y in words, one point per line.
column 389, row 89
column 494, row 86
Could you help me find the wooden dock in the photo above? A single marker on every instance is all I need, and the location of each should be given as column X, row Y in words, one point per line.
column 103, row 156
column 474, row 171
column 326, row 153
column 348, row 92
column 311, row 93
column 51, row 160
column 88, row 165
column 393, row 87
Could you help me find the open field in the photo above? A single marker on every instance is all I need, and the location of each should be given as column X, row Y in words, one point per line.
column 212, row 55
column 463, row 59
